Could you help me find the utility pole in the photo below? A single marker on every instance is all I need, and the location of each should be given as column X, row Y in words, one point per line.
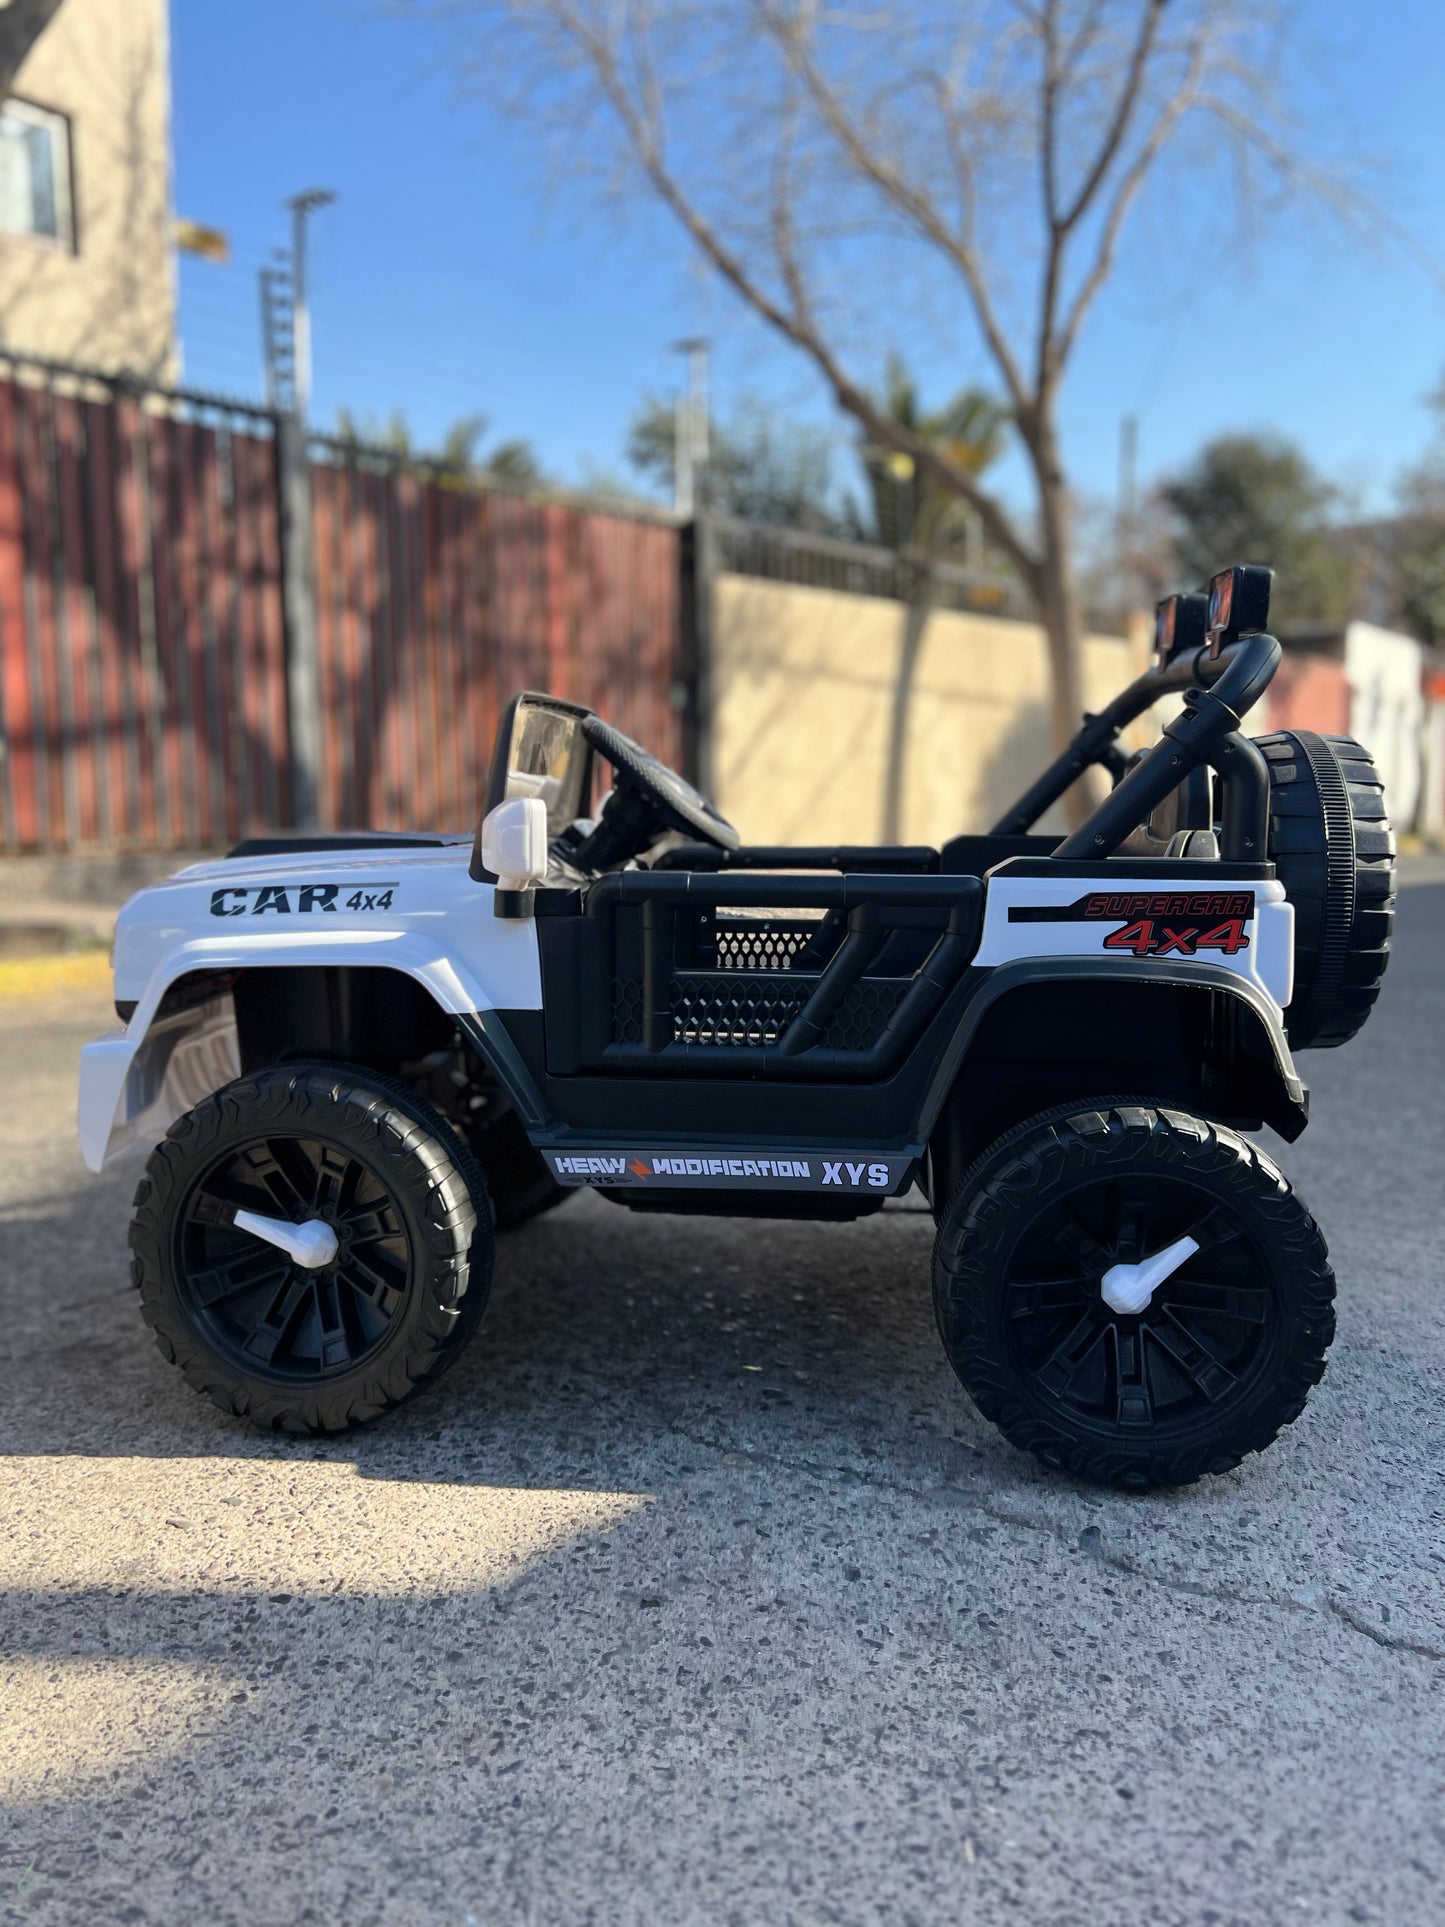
column 302, row 206
column 690, row 432
column 278, row 335
column 286, row 345
column 1126, row 532
column 286, row 312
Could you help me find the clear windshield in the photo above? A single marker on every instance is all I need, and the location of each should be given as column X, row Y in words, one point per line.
column 549, row 759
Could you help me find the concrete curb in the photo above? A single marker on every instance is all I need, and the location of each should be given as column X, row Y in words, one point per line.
column 95, row 877
column 38, row 928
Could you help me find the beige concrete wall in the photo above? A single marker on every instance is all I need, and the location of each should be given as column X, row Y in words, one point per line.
column 805, row 694
column 110, row 303
column 1386, row 675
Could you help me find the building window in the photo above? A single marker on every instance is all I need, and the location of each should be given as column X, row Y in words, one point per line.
column 35, row 173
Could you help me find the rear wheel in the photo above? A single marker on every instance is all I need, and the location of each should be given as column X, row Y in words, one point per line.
column 389, row 1211
column 1051, row 1232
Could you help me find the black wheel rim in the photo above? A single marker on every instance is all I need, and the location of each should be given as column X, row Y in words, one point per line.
column 270, row 1316
column 1196, row 1349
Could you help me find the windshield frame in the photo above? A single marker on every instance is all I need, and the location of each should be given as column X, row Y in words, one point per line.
column 540, row 751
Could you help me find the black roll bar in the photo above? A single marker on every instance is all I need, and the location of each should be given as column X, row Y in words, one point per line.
column 1207, row 731
column 1098, row 740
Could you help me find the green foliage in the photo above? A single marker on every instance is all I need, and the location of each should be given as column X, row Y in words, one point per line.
column 1255, row 498
column 1418, row 558
column 764, row 467
column 761, row 466
column 1417, row 541
column 460, row 453
column 1420, row 581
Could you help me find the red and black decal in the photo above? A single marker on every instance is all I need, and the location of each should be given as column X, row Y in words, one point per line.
column 1108, row 905
column 1155, row 923
column 1161, row 937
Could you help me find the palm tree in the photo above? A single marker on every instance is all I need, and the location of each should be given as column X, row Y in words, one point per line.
column 459, row 454
column 912, row 512
column 910, row 509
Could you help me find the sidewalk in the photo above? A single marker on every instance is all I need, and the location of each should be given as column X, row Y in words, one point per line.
column 38, row 927
column 57, row 905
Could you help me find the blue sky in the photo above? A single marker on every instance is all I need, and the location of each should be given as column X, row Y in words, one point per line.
column 451, row 279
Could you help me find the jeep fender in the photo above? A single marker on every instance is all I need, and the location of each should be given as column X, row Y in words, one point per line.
column 137, row 1080
column 1288, row 1109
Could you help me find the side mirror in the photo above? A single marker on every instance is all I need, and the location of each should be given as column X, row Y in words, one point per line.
column 514, row 842
column 1180, row 624
column 1238, row 604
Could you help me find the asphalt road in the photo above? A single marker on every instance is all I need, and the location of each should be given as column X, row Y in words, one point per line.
column 699, row 1593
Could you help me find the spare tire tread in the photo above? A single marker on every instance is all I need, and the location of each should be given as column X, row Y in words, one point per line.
column 1334, row 851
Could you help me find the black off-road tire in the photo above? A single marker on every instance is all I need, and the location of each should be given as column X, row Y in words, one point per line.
column 439, row 1198
column 1271, row 1318
column 1333, row 850
column 518, row 1180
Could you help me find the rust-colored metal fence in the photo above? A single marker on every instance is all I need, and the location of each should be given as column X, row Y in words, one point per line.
column 436, row 603
column 142, row 665
column 144, row 648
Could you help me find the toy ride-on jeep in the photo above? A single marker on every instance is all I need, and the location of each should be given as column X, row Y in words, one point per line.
column 356, row 1054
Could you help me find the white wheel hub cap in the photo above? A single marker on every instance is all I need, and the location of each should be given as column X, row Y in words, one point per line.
column 1127, row 1289
column 310, row 1245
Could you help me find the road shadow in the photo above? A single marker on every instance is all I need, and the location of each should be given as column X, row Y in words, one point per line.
column 610, row 1340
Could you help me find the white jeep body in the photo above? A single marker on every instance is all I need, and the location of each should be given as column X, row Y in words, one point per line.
column 366, row 1052
column 415, row 910
column 418, row 911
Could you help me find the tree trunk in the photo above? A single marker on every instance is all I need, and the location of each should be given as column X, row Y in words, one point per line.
column 1063, row 625
column 915, row 623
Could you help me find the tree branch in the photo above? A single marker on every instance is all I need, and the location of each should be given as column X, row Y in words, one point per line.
column 1048, row 27
column 795, row 324
column 957, row 151
column 909, row 199
column 1168, row 118
column 1123, row 113
column 1054, row 229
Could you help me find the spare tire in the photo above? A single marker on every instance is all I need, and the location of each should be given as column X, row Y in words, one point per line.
column 1333, row 850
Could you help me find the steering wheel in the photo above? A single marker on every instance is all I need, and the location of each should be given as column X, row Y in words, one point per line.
column 648, row 799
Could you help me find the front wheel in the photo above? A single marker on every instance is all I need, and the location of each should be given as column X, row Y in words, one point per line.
column 311, row 1244
column 520, row 1184
column 1136, row 1296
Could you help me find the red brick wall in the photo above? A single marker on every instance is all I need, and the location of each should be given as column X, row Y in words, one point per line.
column 1308, row 692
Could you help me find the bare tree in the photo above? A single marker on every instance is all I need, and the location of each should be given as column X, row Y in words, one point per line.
column 991, row 151
column 21, row 24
